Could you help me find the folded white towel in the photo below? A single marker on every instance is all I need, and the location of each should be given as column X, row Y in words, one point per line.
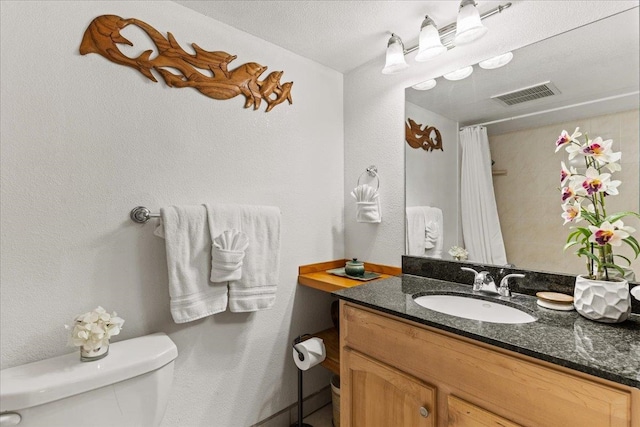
column 367, row 204
column 431, row 235
column 227, row 254
column 188, row 244
column 433, row 216
column 256, row 289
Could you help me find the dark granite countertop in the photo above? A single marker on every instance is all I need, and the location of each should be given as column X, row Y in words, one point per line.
column 561, row 337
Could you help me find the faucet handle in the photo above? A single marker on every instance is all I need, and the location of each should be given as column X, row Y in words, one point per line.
column 479, row 278
column 504, row 284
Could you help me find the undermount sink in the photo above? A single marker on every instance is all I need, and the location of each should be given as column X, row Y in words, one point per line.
column 469, row 307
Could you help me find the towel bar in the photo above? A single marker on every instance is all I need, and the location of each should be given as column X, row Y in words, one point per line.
column 141, row 215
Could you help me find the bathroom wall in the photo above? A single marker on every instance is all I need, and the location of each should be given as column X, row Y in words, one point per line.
column 438, row 168
column 530, row 214
column 85, row 140
column 374, row 108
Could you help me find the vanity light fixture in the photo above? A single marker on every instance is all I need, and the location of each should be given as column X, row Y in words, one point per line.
column 395, row 56
column 459, row 74
column 469, row 25
column 466, row 29
column 496, row 61
column 430, row 45
column 426, row 85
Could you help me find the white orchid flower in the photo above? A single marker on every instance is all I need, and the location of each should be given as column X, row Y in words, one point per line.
column 601, row 151
column 565, row 139
column 607, row 233
column 572, row 212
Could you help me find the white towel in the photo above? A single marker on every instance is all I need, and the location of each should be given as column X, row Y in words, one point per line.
column 424, row 231
column 434, row 222
column 188, row 244
column 256, row 289
column 367, row 204
column 431, row 235
column 415, row 231
column 227, row 254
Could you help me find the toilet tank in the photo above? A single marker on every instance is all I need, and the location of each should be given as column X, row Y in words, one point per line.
column 129, row 387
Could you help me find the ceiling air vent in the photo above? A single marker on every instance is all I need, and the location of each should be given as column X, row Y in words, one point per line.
column 540, row 90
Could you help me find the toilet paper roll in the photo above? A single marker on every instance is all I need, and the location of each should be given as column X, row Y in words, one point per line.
column 313, row 351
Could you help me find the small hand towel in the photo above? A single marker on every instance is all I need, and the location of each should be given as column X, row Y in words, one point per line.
column 367, row 204
column 188, row 244
column 227, row 254
column 256, row 289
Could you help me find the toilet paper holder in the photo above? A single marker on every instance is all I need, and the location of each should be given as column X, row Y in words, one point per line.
column 298, row 340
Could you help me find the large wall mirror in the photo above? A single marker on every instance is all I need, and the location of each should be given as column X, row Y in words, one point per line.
column 593, row 74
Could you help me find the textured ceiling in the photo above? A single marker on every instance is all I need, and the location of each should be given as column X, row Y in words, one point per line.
column 339, row 34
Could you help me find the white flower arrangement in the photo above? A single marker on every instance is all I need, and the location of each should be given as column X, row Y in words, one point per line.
column 458, row 253
column 92, row 330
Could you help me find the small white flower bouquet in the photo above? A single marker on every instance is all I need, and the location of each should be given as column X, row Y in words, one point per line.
column 92, row 330
column 458, row 253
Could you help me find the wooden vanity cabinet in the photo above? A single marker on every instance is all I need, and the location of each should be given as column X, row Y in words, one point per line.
column 393, row 370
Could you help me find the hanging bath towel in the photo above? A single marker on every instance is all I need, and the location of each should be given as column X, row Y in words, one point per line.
column 188, row 244
column 256, row 288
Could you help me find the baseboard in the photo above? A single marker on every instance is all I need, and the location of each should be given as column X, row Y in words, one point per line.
column 289, row 415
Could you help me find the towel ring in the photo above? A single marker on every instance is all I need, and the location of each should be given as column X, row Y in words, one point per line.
column 373, row 172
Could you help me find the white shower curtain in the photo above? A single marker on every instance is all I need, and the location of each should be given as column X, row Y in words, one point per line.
column 480, row 223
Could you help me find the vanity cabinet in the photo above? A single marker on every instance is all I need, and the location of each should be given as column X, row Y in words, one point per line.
column 392, row 367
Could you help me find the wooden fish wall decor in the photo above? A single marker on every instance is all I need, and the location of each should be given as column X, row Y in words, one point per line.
column 428, row 138
column 204, row 71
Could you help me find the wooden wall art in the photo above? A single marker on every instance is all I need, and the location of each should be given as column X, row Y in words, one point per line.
column 428, row 138
column 204, row 71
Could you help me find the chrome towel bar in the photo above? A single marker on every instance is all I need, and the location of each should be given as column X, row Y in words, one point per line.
column 141, row 215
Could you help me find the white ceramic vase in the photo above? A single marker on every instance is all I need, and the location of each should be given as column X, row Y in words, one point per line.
column 601, row 300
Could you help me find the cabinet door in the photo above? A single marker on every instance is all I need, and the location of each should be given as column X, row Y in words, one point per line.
column 464, row 414
column 376, row 395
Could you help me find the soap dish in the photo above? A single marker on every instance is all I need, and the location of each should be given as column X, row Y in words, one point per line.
column 555, row 305
column 555, row 301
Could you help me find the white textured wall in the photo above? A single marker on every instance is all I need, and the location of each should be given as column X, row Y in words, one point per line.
column 85, row 140
column 374, row 110
column 432, row 177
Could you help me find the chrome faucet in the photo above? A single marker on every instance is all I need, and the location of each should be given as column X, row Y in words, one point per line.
column 483, row 281
column 504, row 284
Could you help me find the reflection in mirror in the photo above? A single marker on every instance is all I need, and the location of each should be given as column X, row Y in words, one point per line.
column 592, row 79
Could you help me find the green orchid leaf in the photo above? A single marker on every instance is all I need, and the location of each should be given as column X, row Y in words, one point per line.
column 619, row 269
column 588, row 254
column 631, row 241
column 619, row 215
column 624, row 258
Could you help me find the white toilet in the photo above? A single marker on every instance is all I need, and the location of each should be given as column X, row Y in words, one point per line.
column 128, row 388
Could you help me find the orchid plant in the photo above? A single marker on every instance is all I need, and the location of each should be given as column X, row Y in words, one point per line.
column 94, row 329
column 583, row 198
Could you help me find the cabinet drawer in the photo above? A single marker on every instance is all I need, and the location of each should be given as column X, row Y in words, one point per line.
column 505, row 384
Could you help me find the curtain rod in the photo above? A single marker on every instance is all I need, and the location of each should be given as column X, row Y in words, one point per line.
column 554, row 109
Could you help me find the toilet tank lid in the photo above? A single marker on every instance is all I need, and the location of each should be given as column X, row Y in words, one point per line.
column 63, row 376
